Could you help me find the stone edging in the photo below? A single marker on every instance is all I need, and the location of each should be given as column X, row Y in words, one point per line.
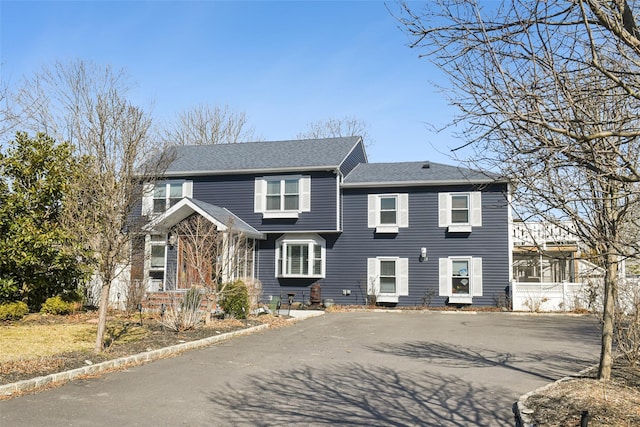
column 522, row 413
column 136, row 359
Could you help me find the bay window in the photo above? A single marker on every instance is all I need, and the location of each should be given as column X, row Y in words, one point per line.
column 300, row 256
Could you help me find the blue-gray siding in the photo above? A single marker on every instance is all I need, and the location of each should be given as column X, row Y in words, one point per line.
column 356, row 156
column 236, row 193
column 347, row 253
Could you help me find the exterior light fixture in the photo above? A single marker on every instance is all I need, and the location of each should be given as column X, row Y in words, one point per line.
column 172, row 239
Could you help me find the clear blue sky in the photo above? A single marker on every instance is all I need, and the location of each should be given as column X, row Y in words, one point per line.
column 284, row 63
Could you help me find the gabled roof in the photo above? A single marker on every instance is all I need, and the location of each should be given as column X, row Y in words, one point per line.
column 221, row 217
column 268, row 156
column 414, row 173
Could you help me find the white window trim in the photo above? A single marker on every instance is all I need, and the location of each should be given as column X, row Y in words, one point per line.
column 153, row 243
column 402, row 278
column 260, row 196
column 147, row 194
column 374, row 210
column 475, row 276
column 147, row 264
column 475, row 212
column 300, row 239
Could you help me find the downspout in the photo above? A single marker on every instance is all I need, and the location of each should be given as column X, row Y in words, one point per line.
column 339, row 202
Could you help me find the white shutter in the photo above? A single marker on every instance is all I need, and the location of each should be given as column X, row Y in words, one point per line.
column 444, row 212
column 279, row 248
column 373, row 277
column 476, row 279
column 372, row 219
column 476, row 209
column 305, row 193
column 403, row 276
column 147, row 198
column 259, row 195
column 187, row 189
column 445, row 277
column 403, row 210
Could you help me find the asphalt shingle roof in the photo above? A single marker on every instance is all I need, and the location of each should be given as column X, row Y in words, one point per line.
column 226, row 217
column 413, row 173
column 304, row 154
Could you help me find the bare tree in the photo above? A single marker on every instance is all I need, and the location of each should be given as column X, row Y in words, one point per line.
column 211, row 258
column 8, row 123
column 86, row 105
column 334, row 128
column 205, row 125
column 549, row 94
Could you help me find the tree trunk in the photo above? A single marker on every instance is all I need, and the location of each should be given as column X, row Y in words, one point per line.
column 102, row 316
column 608, row 317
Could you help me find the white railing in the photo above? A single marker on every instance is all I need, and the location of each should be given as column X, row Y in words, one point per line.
column 542, row 233
column 537, row 297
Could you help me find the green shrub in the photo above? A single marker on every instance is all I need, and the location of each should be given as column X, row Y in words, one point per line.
column 57, row 305
column 9, row 290
column 13, row 310
column 235, row 301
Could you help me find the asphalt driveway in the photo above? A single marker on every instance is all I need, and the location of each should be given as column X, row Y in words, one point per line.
column 352, row 369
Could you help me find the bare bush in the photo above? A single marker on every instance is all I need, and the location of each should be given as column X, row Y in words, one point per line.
column 183, row 314
column 136, row 291
column 627, row 326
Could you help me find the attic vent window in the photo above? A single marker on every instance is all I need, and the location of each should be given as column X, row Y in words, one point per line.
column 426, row 165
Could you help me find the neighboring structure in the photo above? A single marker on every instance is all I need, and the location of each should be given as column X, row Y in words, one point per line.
column 549, row 272
column 315, row 212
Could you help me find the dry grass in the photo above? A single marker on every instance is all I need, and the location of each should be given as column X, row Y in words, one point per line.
column 40, row 345
column 20, row 341
column 614, row 403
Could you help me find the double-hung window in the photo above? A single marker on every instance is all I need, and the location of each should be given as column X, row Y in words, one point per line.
column 460, row 278
column 460, row 209
column 166, row 195
column 282, row 196
column 388, row 212
column 156, row 249
column 300, row 256
column 388, row 278
column 460, row 212
column 161, row 196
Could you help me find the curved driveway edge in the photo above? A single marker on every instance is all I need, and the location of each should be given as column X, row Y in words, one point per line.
column 522, row 413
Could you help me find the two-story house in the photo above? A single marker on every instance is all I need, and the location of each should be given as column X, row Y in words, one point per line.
column 315, row 212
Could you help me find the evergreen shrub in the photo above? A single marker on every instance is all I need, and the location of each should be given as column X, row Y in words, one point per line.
column 13, row 310
column 235, row 300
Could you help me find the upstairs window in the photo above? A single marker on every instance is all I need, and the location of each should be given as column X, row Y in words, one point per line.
column 300, row 256
column 460, row 209
column 282, row 196
column 388, row 212
column 460, row 212
column 166, row 195
column 161, row 196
